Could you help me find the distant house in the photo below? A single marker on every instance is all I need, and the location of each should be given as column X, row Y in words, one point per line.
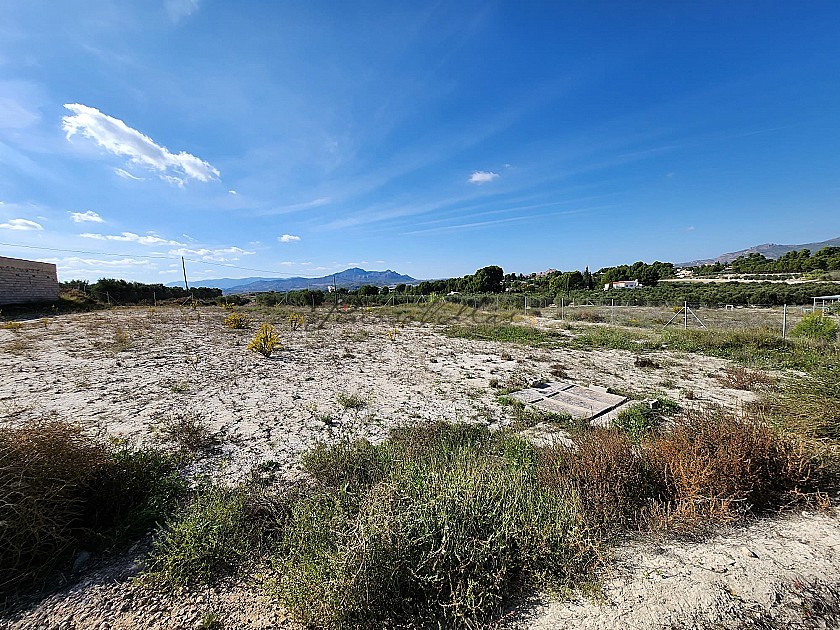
column 623, row 284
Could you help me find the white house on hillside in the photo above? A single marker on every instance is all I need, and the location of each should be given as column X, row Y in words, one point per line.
column 623, row 284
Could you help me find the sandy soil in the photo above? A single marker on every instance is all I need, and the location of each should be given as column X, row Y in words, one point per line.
column 121, row 373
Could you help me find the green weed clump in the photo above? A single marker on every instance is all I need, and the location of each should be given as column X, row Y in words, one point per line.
column 816, row 326
column 222, row 531
column 508, row 333
column 237, row 321
column 642, row 419
column 265, row 341
column 61, row 491
column 441, row 525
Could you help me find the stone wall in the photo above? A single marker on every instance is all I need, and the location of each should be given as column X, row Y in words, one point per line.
column 24, row 281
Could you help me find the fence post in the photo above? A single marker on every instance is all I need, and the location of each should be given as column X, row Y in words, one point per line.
column 784, row 322
column 685, row 315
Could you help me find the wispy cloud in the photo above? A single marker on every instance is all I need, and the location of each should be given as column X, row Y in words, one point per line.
column 88, row 216
column 226, row 254
column 482, row 177
column 288, row 238
column 181, row 9
column 126, row 175
column 296, row 207
column 131, row 237
column 118, row 138
column 21, row 224
column 74, row 261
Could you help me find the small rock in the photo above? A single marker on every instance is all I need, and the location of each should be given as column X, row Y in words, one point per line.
column 81, row 560
column 747, row 552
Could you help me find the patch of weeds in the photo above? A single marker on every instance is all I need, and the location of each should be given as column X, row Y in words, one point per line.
column 448, row 527
column 13, row 326
column 508, row 333
column 237, row 321
column 353, row 402
column 611, row 337
column 220, row 532
column 61, row 490
column 122, row 340
column 644, row 418
column 816, row 326
column 734, row 377
column 558, row 371
column 266, row 341
column 646, row 363
column 179, row 387
column 188, row 430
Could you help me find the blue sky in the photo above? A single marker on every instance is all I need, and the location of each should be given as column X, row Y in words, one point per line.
column 301, row 138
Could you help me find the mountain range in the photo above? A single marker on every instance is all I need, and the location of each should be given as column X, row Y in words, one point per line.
column 349, row 278
column 769, row 250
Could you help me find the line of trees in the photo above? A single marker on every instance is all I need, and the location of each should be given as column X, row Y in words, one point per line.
column 802, row 261
column 124, row 292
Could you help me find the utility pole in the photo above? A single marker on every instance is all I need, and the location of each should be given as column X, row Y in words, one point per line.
column 184, row 267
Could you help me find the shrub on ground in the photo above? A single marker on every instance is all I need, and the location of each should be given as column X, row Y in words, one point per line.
column 237, row 321
column 816, row 326
column 61, row 490
column 717, row 467
column 265, row 341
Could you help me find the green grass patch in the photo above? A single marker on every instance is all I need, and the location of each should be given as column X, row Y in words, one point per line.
column 507, row 333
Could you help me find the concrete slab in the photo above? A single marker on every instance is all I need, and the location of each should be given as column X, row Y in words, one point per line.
column 568, row 398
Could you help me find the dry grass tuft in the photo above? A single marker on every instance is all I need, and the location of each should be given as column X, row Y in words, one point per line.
column 734, row 377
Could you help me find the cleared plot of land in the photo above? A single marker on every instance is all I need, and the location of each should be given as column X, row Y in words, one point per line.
column 153, row 376
column 125, row 373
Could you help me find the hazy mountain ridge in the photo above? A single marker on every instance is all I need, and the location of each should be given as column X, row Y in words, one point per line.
column 349, row 278
column 769, row 250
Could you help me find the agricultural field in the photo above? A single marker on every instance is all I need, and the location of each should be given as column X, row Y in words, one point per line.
column 380, row 447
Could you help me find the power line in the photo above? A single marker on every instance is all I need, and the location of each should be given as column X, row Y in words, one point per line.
column 150, row 256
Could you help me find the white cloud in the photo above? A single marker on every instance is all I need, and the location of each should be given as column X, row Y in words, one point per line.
column 118, row 138
column 88, row 215
column 130, row 237
column 482, row 177
column 232, row 192
column 126, row 175
column 288, row 238
column 180, row 9
column 225, row 254
column 73, row 261
column 21, row 224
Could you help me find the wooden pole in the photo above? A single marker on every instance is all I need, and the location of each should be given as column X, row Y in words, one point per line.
column 184, row 267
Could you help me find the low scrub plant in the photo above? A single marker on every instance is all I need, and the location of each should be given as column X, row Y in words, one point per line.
column 816, row 326
column 189, row 431
column 220, row 532
column 266, row 341
column 61, row 490
column 644, row 418
column 448, row 524
column 717, row 467
column 237, row 321
column 295, row 321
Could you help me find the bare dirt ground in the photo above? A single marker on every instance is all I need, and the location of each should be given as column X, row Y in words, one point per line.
column 122, row 373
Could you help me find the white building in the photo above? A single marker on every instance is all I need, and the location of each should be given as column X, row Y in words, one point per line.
column 623, row 284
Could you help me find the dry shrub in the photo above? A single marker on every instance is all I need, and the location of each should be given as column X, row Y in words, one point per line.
column 61, row 490
column 607, row 472
column 44, row 470
column 734, row 377
column 717, row 467
column 586, row 316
